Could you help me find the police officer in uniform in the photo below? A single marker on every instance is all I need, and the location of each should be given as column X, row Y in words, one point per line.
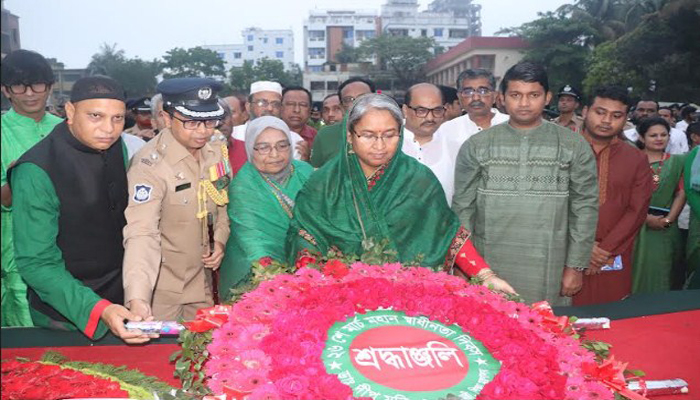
column 141, row 110
column 177, row 225
column 569, row 99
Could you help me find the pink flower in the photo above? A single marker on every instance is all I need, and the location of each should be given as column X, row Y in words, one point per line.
column 293, row 387
column 267, row 391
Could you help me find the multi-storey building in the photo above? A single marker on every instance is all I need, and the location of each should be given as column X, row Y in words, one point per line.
column 449, row 22
column 325, row 32
column 10, row 31
column 258, row 44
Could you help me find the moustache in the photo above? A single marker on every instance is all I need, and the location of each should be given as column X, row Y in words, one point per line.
column 477, row 104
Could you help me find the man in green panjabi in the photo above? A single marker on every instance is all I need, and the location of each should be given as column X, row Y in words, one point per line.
column 26, row 81
column 70, row 192
column 330, row 139
column 528, row 191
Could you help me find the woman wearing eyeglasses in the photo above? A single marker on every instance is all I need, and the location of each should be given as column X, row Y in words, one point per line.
column 372, row 191
column 261, row 200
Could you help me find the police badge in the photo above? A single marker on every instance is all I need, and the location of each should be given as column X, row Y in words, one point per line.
column 204, row 93
column 142, row 193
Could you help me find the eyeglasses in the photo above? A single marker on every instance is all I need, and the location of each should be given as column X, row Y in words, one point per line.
column 347, row 100
column 262, row 103
column 293, row 105
column 481, row 91
column 21, row 88
column 265, row 148
column 422, row 112
column 191, row 124
column 371, row 138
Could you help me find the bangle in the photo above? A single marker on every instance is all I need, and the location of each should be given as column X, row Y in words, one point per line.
column 485, row 274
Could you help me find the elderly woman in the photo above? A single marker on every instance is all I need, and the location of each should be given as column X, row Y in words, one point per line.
column 261, row 200
column 659, row 243
column 371, row 190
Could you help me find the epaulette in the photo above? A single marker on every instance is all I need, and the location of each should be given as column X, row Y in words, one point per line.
column 154, row 157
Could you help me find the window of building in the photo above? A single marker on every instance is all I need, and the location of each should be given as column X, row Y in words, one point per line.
column 316, row 52
column 366, row 34
column 459, row 33
column 398, row 32
column 237, row 55
column 317, row 36
column 221, row 54
column 279, row 54
column 332, row 85
column 250, row 38
column 279, row 40
column 264, row 40
column 318, row 85
column 424, row 32
column 315, row 68
column 437, row 32
column 348, row 33
column 250, row 48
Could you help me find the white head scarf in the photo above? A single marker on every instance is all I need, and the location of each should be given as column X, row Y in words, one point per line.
column 255, row 128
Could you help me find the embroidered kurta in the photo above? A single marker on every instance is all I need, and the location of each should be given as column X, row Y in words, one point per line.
column 623, row 208
column 530, row 198
column 19, row 133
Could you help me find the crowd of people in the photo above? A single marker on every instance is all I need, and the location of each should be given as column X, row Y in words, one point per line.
column 152, row 208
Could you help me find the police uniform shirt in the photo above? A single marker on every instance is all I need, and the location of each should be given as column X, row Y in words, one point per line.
column 164, row 240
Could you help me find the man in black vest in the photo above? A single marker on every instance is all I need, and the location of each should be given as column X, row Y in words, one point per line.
column 69, row 193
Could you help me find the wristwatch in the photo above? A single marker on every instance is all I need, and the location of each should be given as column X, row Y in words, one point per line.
column 667, row 222
column 579, row 269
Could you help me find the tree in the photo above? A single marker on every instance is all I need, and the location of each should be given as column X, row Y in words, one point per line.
column 240, row 78
column 138, row 77
column 402, row 56
column 559, row 43
column 347, row 54
column 194, row 62
column 664, row 48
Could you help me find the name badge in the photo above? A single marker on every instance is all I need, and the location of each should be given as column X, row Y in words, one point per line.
column 183, row 187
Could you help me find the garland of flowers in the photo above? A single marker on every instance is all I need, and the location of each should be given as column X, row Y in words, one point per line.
column 55, row 377
column 35, row 380
column 250, row 355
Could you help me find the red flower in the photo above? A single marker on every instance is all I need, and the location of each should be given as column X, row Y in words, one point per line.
column 303, row 261
column 336, row 269
column 265, row 261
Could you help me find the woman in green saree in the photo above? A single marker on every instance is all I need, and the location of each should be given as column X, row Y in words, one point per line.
column 261, row 200
column 373, row 191
column 659, row 242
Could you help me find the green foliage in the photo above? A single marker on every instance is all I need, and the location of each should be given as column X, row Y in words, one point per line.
column 240, row 78
column 665, row 48
column 194, row 62
column 138, row 77
column 625, row 42
column 347, row 54
column 559, row 43
column 403, row 56
column 189, row 362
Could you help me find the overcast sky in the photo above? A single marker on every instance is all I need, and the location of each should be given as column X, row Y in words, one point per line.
column 73, row 30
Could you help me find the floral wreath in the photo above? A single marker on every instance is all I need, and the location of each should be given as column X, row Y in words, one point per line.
column 250, row 357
